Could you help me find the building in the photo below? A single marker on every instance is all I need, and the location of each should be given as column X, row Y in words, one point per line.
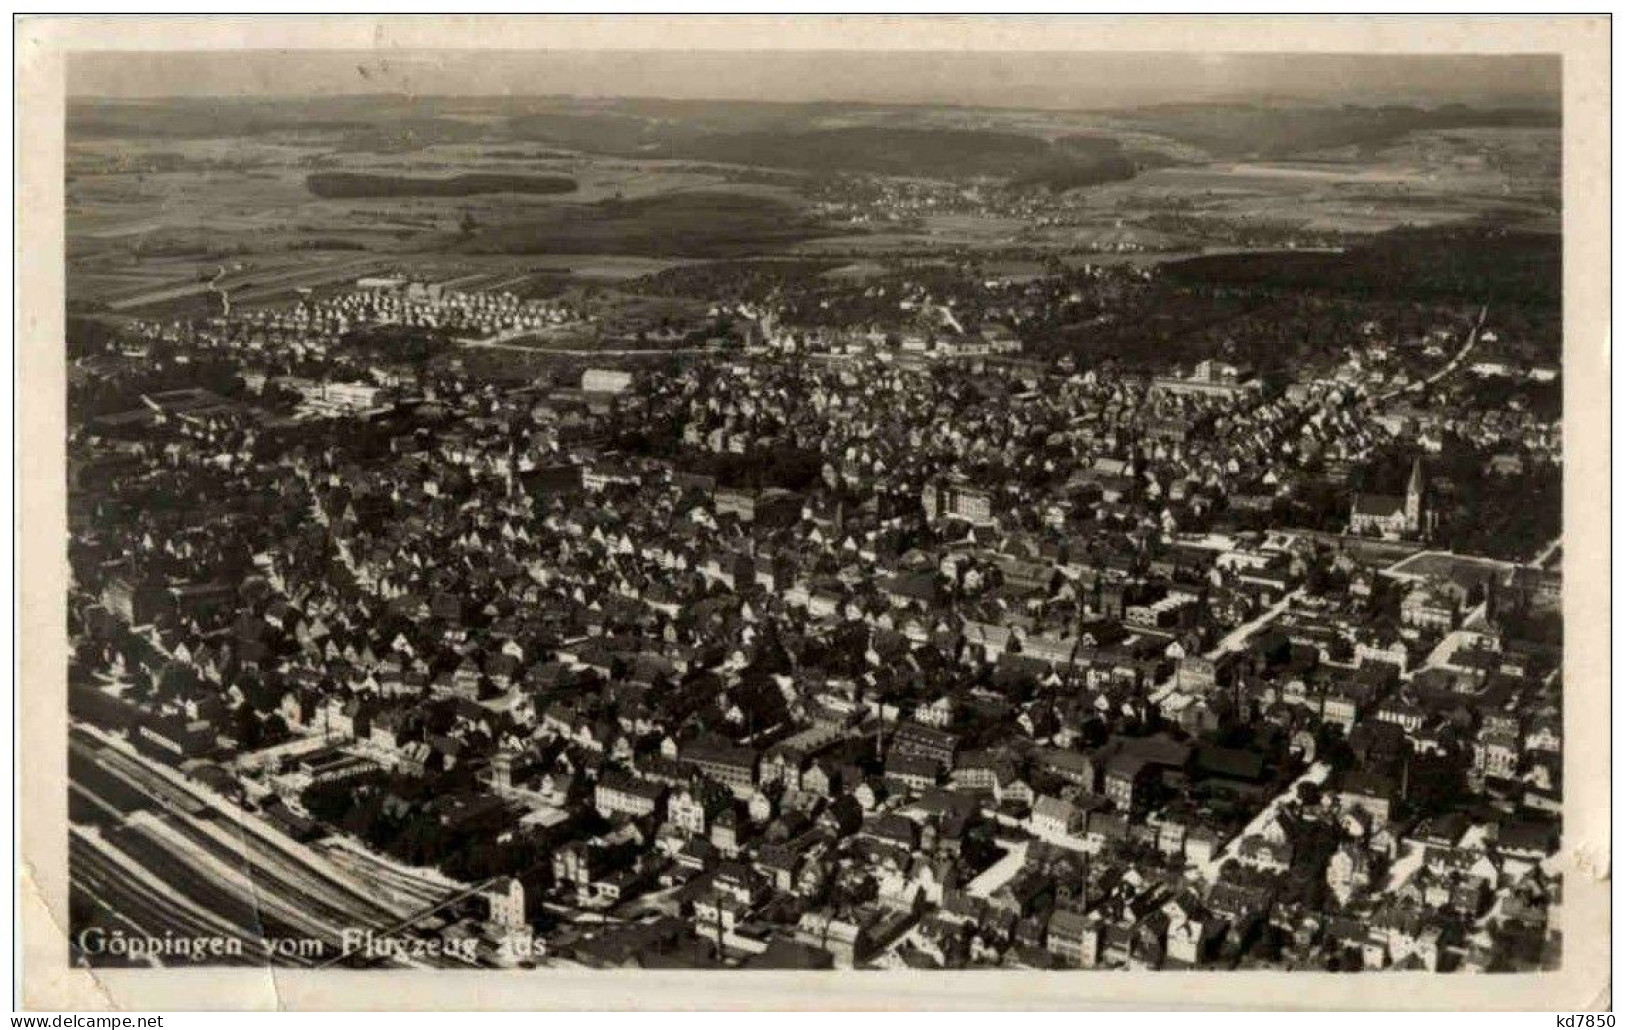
column 1428, row 609
column 1073, row 937
column 176, row 738
column 1055, row 817
column 912, row 771
column 1349, row 870
column 956, row 500
column 335, row 399
column 135, row 603
column 575, row 863
column 505, row 899
column 770, row 507
column 733, row 766
column 1391, row 517
column 911, row 738
column 620, row 794
column 605, row 380
column 1125, row 774
column 1192, row 931
column 1210, row 379
column 846, row 939
column 692, row 808
column 1370, row 793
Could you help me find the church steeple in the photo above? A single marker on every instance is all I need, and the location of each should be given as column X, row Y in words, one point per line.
column 1415, row 498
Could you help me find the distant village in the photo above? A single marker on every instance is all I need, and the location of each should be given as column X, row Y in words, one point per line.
column 835, row 646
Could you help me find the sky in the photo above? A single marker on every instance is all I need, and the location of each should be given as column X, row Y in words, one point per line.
column 1070, row 80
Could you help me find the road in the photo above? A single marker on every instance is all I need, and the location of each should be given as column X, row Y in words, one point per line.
column 225, row 294
column 1235, row 640
column 1208, row 871
column 1453, row 641
column 498, row 343
column 506, row 336
column 249, row 283
column 1449, row 366
column 1546, row 553
column 1238, row 637
column 989, row 880
column 254, row 761
column 1410, row 859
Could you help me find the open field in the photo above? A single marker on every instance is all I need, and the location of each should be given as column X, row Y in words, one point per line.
column 160, row 200
column 610, row 267
column 1105, row 237
column 167, row 286
column 700, row 223
column 1466, row 570
column 149, row 223
column 1420, row 179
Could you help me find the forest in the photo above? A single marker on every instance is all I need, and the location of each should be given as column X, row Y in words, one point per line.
column 699, row 223
column 1279, row 130
column 1285, row 310
column 353, row 185
column 1468, row 264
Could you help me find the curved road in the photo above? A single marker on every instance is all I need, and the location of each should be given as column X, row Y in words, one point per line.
column 1449, row 366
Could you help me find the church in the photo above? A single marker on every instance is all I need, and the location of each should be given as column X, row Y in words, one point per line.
column 1393, row 517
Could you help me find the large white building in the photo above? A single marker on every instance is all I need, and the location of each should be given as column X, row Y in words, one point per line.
column 605, row 380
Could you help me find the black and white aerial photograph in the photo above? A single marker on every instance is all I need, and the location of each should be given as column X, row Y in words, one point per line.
column 894, row 511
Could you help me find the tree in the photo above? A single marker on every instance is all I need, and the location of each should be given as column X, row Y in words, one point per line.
column 275, row 729
column 245, row 727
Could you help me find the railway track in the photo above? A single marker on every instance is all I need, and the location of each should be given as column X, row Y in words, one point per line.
column 156, row 856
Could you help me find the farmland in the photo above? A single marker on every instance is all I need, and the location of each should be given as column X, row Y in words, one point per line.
column 170, row 204
column 711, row 223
